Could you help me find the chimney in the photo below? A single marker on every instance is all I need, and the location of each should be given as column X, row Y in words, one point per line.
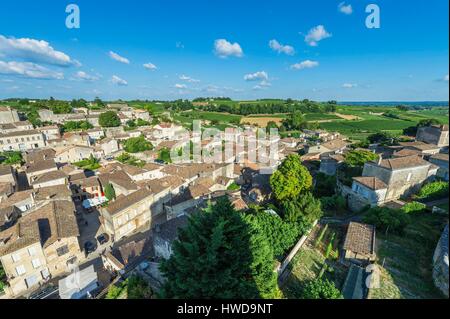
column 380, row 159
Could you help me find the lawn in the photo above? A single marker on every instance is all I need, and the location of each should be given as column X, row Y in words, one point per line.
column 406, row 261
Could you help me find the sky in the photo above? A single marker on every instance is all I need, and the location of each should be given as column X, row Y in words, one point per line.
column 166, row 49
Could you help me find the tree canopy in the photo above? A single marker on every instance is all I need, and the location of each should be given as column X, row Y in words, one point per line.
column 109, row 119
column 291, row 179
column 137, row 145
column 220, row 255
column 359, row 157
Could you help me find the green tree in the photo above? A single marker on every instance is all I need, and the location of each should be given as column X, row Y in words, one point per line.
column 164, row 155
column 137, row 145
column 321, row 289
column 291, row 179
column 11, row 158
column 220, row 255
column 360, row 157
column 280, row 235
column 387, row 219
column 110, row 192
column 109, row 119
column 302, row 210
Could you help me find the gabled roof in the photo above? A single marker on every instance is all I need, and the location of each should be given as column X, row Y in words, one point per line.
column 403, row 162
column 371, row 182
column 40, row 166
column 123, row 202
column 360, row 238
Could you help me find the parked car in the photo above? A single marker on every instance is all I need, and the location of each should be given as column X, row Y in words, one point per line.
column 103, row 239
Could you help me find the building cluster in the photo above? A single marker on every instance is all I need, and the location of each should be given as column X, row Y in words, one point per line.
column 57, row 217
column 47, row 204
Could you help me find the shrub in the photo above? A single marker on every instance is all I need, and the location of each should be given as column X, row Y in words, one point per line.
column 435, row 190
column 387, row 219
column 359, row 157
column 321, row 289
column 414, row 207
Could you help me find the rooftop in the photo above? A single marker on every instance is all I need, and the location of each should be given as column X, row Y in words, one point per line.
column 360, row 238
column 371, row 182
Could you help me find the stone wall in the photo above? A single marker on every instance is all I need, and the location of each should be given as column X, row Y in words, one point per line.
column 440, row 264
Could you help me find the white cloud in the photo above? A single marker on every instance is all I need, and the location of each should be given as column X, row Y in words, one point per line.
column 34, row 51
column 29, row 70
column 223, row 49
column 257, row 76
column 118, row 58
column 345, row 8
column 280, row 48
column 150, row 66
column 265, row 83
column 307, row 64
column 188, row 79
column 349, row 85
column 80, row 75
column 118, row 81
column 180, row 86
column 316, row 34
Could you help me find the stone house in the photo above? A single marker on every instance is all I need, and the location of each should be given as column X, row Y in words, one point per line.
column 38, row 246
column 388, row 180
column 8, row 115
column 78, row 139
column 109, row 146
column 122, row 183
column 371, row 188
column 441, row 160
column 16, row 127
column 436, row 134
column 8, row 176
column 50, row 132
column 424, row 148
column 401, row 175
column 22, row 141
column 126, row 256
column 86, row 188
column 95, row 134
column 329, row 163
column 37, row 168
column 53, row 178
column 126, row 214
column 165, row 234
column 74, row 154
column 332, row 146
column 93, row 119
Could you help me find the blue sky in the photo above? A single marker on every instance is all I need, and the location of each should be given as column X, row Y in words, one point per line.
column 322, row 51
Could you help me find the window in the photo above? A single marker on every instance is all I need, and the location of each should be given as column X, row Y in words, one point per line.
column 45, row 274
column 36, row 263
column 32, row 251
column 20, row 270
column 31, row 281
column 61, row 251
column 15, row 257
